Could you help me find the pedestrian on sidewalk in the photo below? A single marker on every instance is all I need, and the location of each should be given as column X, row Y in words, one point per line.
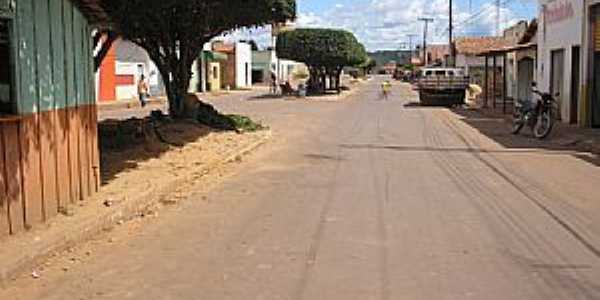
column 273, row 83
column 142, row 90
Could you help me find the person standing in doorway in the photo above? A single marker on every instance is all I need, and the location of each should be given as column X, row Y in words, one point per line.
column 273, row 83
column 142, row 90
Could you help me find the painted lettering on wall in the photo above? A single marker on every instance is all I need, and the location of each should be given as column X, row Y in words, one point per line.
column 558, row 11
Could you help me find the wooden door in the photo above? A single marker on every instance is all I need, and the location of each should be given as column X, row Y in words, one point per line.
column 557, row 75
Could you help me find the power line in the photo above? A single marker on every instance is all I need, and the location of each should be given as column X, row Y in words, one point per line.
column 450, row 28
column 476, row 16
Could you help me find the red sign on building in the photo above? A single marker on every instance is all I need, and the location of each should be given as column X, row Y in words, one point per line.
column 558, row 11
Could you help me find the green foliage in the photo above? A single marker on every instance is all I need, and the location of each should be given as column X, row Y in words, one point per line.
column 245, row 124
column 321, row 47
column 325, row 51
column 173, row 32
column 193, row 21
column 369, row 63
column 209, row 116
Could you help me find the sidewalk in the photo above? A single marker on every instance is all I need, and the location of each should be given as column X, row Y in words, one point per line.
column 135, row 179
column 122, row 110
column 132, row 103
column 563, row 137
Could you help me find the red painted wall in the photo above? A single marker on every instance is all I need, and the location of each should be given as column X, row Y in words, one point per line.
column 108, row 81
column 125, row 80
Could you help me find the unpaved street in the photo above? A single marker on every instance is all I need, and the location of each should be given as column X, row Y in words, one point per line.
column 360, row 199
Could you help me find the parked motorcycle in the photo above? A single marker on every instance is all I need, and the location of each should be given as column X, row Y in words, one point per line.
column 538, row 116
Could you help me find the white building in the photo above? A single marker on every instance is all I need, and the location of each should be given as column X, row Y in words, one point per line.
column 236, row 71
column 243, row 65
column 589, row 108
column 266, row 62
column 559, row 64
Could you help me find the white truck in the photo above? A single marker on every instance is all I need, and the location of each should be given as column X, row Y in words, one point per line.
column 442, row 86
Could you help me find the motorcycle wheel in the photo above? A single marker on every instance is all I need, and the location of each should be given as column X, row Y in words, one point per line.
column 518, row 122
column 544, row 125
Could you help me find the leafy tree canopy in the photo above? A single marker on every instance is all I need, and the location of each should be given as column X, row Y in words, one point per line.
column 193, row 21
column 325, row 51
column 173, row 32
column 321, row 47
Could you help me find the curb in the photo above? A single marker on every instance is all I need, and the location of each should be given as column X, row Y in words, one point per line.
column 116, row 105
column 31, row 249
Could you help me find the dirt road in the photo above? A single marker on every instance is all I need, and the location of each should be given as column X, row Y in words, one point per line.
column 360, row 199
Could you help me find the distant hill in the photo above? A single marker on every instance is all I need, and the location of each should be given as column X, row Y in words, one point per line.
column 386, row 56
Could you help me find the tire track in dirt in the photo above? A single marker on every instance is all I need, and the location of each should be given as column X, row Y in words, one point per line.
column 514, row 221
column 563, row 223
column 317, row 236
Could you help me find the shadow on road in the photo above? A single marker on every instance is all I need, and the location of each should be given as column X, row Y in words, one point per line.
column 265, row 97
column 124, row 144
column 580, row 143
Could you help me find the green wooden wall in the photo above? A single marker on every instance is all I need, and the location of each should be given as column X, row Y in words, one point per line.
column 54, row 56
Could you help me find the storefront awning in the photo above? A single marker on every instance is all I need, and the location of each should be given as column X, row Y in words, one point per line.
column 504, row 50
column 214, row 56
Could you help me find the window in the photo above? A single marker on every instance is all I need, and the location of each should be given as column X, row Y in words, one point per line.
column 6, row 82
column 215, row 72
column 440, row 73
column 247, row 75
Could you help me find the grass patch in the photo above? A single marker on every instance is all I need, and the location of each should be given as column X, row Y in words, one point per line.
column 245, row 124
column 209, row 116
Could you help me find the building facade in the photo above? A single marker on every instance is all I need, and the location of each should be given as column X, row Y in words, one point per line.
column 590, row 88
column 48, row 131
column 266, row 62
column 121, row 70
column 236, row 71
column 560, row 61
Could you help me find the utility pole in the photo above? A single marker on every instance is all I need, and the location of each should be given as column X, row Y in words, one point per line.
column 410, row 45
column 426, row 21
column 452, row 61
column 498, row 17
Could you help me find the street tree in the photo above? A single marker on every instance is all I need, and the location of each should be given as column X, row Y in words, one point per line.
column 368, row 65
column 173, row 32
column 324, row 51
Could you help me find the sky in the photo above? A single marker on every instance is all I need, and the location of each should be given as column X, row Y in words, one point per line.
column 387, row 24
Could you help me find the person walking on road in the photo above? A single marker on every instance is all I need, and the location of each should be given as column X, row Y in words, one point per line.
column 386, row 88
column 142, row 90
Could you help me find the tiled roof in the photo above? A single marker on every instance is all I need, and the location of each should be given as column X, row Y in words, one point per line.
column 223, row 48
column 478, row 45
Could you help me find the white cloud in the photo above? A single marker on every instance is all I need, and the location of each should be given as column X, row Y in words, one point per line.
column 386, row 24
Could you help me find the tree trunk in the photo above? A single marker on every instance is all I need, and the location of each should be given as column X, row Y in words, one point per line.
column 313, row 80
column 175, row 66
column 177, row 80
column 338, row 80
